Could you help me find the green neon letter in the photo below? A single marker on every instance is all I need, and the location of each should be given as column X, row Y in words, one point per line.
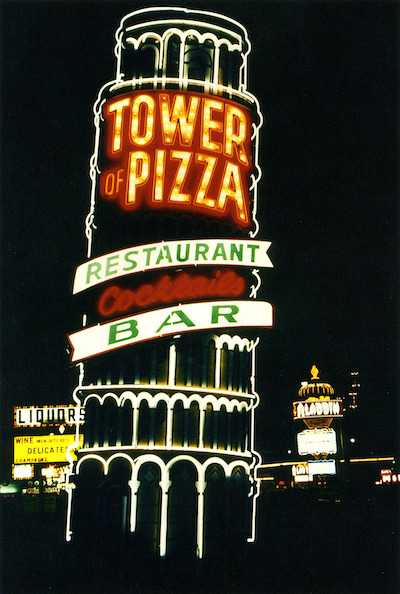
column 132, row 263
column 93, row 270
column 123, row 331
column 112, row 263
column 253, row 248
column 201, row 250
column 183, row 319
column 219, row 252
column 148, row 252
column 228, row 315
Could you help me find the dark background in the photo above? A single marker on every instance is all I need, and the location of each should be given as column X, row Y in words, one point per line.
column 326, row 76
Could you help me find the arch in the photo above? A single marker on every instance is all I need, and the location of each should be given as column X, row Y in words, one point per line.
column 160, row 423
column 225, row 366
column 109, row 415
column 129, row 61
column 193, row 424
column 235, row 429
column 172, row 56
column 102, row 398
column 243, row 430
column 182, row 510
column 144, row 458
column 144, row 423
column 198, row 64
column 86, row 510
column 117, row 456
column 238, row 504
column 235, row 375
column 114, row 500
column 215, row 511
column 209, row 423
column 126, row 423
column 178, row 424
column 222, row 428
column 148, row 515
column 245, row 371
column 155, row 399
column 93, row 458
column 223, row 66
column 127, row 395
column 178, row 396
column 235, row 69
column 211, row 363
column 92, row 418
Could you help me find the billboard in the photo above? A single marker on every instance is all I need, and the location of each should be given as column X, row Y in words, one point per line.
column 31, row 449
column 316, row 441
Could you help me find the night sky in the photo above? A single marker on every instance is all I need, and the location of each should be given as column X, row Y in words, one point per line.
column 325, row 74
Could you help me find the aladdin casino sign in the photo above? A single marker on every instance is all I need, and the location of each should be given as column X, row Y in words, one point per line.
column 177, row 152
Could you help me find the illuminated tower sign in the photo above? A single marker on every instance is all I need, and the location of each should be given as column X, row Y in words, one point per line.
column 317, row 411
column 166, row 349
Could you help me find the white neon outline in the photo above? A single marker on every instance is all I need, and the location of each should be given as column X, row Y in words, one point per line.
column 254, row 288
column 154, row 394
column 165, row 483
column 213, row 88
column 146, row 390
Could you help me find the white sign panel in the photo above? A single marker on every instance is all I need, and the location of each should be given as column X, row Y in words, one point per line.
column 35, row 416
column 321, row 467
column 22, row 471
column 169, row 320
column 316, row 441
column 226, row 252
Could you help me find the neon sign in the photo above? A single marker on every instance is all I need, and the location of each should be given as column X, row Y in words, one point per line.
column 117, row 300
column 171, row 254
column 177, row 152
column 108, row 336
column 317, row 408
column 162, row 148
column 389, row 476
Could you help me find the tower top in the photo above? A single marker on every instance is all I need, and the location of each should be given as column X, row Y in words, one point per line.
column 315, row 388
column 176, row 47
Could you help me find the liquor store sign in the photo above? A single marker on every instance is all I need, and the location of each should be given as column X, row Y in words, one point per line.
column 36, row 416
column 43, row 448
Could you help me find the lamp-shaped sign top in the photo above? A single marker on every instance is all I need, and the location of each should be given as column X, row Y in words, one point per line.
column 318, row 408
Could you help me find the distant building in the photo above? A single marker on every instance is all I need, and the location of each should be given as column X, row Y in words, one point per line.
column 351, row 400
